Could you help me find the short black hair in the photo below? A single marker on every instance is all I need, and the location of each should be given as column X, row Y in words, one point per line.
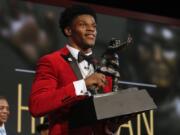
column 70, row 13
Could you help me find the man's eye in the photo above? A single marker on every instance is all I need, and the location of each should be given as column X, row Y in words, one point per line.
column 82, row 24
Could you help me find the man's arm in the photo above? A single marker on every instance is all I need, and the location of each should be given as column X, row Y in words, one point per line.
column 45, row 95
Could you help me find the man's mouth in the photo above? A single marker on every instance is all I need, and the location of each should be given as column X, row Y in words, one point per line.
column 90, row 36
column 4, row 118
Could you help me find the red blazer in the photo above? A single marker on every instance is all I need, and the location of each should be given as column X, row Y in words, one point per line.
column 53, row 93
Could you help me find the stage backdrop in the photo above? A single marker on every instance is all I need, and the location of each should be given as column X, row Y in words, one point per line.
column 28, row 31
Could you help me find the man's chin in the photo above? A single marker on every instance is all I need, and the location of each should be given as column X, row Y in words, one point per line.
column 4, row 120
column 88, row 46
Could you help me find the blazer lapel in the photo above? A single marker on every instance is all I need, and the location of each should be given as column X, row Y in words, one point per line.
column 72, row 62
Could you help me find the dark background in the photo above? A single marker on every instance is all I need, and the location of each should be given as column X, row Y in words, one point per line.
column 157, row 7
column 30, row 30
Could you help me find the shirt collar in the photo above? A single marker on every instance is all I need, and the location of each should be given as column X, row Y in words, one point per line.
column 74, row 52
column 3, row 126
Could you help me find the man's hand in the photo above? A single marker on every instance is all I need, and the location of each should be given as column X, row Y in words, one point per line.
column 97, row 80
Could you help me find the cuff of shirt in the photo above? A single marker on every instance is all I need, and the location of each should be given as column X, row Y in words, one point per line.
column 80, row 88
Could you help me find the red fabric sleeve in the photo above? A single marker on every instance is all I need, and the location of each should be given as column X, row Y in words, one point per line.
column 45, row 95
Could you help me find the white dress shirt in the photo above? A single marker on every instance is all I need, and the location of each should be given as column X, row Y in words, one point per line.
column 86, row 70
column 2, row 130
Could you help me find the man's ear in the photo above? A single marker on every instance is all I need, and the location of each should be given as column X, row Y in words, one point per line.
column 68, row 31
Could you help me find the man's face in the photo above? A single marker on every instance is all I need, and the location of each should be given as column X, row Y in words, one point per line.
column 4, row 111
column 83, row 31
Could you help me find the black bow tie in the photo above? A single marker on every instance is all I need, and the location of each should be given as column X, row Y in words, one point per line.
column 88, row 58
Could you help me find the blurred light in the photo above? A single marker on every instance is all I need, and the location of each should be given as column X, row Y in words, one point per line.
column 167, row 33
column 170, row 55
column 177, row 106
column 16, row 26
column 149, row 29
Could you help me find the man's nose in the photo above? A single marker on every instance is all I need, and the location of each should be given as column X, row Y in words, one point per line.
column 5, row 110
column 91, row 28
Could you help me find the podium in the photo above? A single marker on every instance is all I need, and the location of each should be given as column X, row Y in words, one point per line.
column 110, row 105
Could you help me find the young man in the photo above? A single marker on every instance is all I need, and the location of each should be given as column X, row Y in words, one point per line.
column 64, row 77
column 4, row 114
